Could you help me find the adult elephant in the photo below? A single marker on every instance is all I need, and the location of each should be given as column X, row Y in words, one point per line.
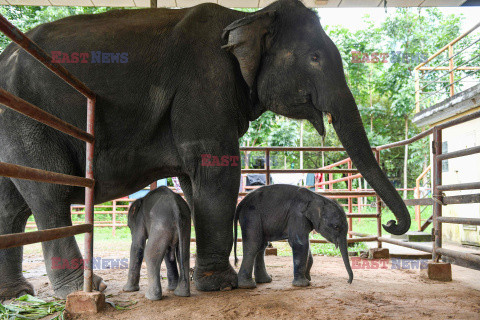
column 194, row 79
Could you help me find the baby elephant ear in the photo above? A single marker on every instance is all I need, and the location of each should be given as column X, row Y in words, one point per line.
column 246, row 40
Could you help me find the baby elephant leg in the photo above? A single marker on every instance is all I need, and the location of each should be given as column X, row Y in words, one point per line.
column 251, row 248
column 172, row 269
column 300, row 249
column 261, row 275
column 183, row 256
column 155, row 250
column 136, row 258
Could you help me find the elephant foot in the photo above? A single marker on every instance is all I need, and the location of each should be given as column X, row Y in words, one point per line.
column 64, row 290
column 213, row 280
column 246, row 283
column 15, row 290
column 301, row 282
column 182, row 290
column 264, row 278
column 130, row 288
column 172, row 285
column 154, row 294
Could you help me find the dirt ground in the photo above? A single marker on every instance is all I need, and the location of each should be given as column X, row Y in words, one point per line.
column 374, row 294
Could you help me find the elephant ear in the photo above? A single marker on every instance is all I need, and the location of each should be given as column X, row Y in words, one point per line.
column 308, row 203
column 246, row 40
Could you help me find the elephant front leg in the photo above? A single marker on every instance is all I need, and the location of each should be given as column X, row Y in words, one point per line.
column 215, row 192
column 300, row 250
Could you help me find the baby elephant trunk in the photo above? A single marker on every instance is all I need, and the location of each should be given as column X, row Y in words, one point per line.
column 342, row 243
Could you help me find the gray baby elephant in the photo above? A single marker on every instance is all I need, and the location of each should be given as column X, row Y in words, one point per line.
column 163, row 218
column 280, row 212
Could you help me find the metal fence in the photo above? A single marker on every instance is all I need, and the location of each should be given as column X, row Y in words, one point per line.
column 435, row 83
column 22, row 172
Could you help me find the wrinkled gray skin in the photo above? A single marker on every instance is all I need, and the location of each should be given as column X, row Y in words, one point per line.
column 163, row 218
column 179, row 96
column 280, row 212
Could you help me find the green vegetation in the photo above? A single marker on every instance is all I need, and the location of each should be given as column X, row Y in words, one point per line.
column 29, row 307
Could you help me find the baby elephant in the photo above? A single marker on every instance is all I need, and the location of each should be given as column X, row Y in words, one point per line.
column 280, row 212
column 163, row 218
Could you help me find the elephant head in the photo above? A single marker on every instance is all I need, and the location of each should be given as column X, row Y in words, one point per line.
column 294, row 69
column 328, row 218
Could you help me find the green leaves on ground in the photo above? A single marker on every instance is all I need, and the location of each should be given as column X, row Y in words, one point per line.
column 29, row 307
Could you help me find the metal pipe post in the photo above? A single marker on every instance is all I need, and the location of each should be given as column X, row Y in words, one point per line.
column 437, row 181
column 89, row 199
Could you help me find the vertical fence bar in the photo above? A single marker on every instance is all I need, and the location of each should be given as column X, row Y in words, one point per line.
column 267, row 165
column 450, row 67
column 350, row 200
column 114, row 216
column 89, row 199
column 437, row 181
column 379, row 207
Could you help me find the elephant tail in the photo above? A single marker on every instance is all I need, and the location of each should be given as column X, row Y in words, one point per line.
column 235, row 226
column 133, row 211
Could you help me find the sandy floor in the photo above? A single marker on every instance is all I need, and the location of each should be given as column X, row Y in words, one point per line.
column 374, row 294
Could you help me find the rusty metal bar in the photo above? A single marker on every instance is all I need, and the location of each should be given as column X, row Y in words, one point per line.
column 32, row 48
column 460, row 255
column 459, row 153
column 89, row 199
column 471, row 221
column 361, row 239
column 34, row 112
column 459, row 186
column 24, row 238
column 437, row 182
column 463, row 119
column 274, row 149
column 406, row 141
column 406, row 244
column 418, row 202
column 359, row 175
column 379, row 207
column 344, row 171
column 27, row 173
column 361, row 215
column 462, row 199
column 267, row 166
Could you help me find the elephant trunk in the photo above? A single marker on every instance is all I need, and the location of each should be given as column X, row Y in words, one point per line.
column 342, row 244
column 349, row 128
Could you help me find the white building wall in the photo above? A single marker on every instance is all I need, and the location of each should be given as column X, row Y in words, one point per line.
column 462, row 170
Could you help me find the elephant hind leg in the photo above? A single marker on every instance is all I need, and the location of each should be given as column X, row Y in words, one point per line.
column 261, row 275
column 14, row 213
column 309, row 265
column 172, row 269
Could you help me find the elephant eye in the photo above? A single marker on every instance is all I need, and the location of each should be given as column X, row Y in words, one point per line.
column 315, row 58
column 336, row 227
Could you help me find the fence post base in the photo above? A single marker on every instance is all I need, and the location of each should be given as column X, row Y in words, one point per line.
column 271, row 251
column 81, row 302
column 439, row 271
